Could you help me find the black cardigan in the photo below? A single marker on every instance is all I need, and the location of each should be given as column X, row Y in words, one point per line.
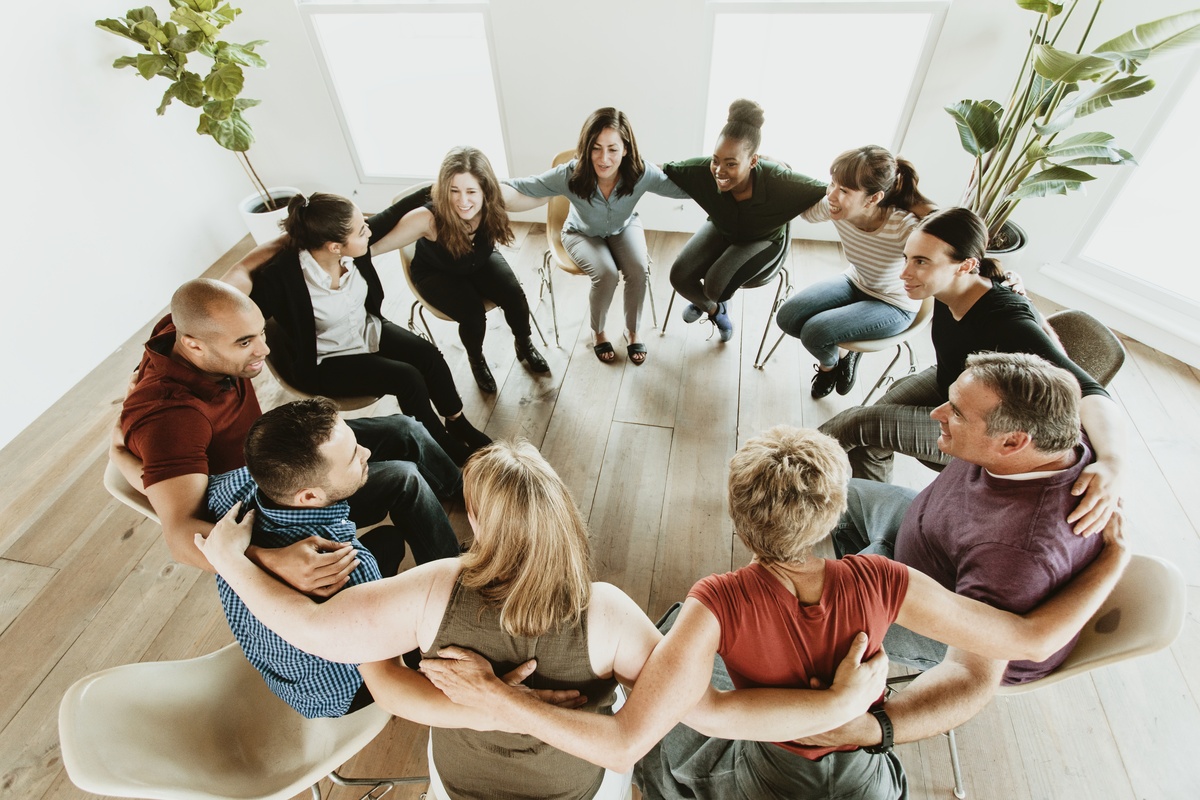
column 282, row 295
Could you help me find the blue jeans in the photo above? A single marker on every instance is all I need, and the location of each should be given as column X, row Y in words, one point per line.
column 874, row 512
column 408, row 473
column 833, row 311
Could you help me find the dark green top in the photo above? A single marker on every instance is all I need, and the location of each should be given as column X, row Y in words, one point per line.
column 779, row 195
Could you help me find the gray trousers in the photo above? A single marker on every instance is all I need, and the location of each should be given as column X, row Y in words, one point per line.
column 710, row 268
column 872, row 519
column 605, row 259
column 898, row 422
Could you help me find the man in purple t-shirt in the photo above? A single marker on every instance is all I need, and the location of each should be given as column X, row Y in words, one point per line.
column 992, row 526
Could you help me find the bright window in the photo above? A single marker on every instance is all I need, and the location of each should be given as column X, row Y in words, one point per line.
column 409, row 81
column 818, row 72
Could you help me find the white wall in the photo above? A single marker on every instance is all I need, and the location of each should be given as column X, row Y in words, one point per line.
column 129, row 205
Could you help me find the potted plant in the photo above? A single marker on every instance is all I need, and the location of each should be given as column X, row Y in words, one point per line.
column 1018, row 150
column 193, row 29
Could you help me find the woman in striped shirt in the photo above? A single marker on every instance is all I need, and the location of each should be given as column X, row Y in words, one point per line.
column 873, row 201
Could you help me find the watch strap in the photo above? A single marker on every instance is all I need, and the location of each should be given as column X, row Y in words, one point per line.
column 889, row 733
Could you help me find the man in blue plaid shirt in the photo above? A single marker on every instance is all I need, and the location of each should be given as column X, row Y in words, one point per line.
column 303, row 461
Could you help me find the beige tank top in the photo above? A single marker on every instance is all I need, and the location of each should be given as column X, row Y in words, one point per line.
column 510, row 766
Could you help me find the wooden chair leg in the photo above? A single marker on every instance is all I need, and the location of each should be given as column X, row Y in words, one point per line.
column 667, row 316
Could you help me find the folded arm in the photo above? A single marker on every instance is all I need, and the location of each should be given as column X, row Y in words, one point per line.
column 241, row 274
column 1101, row 482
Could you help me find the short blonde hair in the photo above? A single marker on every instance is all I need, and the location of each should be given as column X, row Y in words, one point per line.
column 787, row 489
column 532, row 555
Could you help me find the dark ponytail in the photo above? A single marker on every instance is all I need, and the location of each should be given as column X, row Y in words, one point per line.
column 962, row 230
column 745, row 123
column 317, row 219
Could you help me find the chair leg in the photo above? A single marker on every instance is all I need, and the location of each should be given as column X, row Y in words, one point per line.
column 667, row 316
column 780, row 295
column 541, row 335
column 650, row 292
column 379, row 786
column 771, row 352
column 421, row 313
column 885, row 378
column 959, row 790
column 547, row 279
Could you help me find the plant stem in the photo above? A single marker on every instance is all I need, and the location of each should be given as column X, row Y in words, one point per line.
column 259, row 186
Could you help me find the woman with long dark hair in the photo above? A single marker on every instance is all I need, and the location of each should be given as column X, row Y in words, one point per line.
column 602, row 232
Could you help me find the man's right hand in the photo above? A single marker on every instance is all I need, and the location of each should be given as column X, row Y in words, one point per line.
column 314, row 566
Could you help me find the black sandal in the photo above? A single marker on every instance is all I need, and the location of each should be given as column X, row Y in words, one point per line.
column 634, row 350
column 605, row 349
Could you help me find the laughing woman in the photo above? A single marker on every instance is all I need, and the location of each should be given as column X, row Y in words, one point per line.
column 749, row 203
column 602, row 232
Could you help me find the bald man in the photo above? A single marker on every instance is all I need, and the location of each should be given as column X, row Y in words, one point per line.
column 186, row 418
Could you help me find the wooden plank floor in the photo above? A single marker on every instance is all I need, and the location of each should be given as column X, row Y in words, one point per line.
column 85, row 583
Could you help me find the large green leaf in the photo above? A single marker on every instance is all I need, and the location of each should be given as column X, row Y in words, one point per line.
column 233, row 133
column 189, row 19
column 1093, row 99
column 978, row 124
column 1165, row 35
column 225, row 82
column 125, row 61
column 1058, row 65
column 227, row 13
column 143, row 14
column 168, row 95
column 1050, row 10
column 242, row 103
column 153, row 32
column 186, row 42
column 190, row 89
column 149, row 65
column 119, row 28
column 1056, row 180
column 1088, row 148
column 219, row 109
column 239, row 54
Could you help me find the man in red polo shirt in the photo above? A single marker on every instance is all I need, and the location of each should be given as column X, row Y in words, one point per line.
column 186, row 418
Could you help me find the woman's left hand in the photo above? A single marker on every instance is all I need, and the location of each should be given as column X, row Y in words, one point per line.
column 1099, row 486
column 1013, row 281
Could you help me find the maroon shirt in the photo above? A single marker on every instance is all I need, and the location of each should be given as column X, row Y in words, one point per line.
column 768, row 639
column 179, row 421
column 1006, row 543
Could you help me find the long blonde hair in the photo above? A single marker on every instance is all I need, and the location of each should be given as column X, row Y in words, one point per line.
column 531, row 555
column 452, row 232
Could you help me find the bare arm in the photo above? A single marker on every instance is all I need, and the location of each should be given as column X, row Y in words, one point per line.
column 779, row 715
column 368, row 622
column 241, row 275
column 939, row 699
column 515, row 201
column 933, row 611
column 1100, row 482
column 416, row 224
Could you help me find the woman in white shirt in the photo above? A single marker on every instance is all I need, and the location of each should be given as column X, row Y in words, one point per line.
column 873, row 201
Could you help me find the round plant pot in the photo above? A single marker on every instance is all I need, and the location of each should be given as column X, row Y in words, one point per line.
column 1009, row 246
column 262, row 221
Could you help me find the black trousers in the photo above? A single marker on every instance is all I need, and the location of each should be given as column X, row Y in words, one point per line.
column 461, row 298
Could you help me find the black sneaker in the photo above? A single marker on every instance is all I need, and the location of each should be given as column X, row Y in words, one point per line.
column 847, row 372
column 483, row 374
column 822, row 382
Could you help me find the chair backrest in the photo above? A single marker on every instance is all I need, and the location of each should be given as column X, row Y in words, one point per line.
column 923, row 318
column 120, row 488
column 556, row 214
column 206, row 727
column 768, row 273
column 1143, row 615
column 1089, row 343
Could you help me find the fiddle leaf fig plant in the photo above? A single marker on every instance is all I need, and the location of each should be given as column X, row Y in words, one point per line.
column 174, row 47
column 1017, row 148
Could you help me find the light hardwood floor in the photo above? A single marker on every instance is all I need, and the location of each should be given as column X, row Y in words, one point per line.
column 85, row 583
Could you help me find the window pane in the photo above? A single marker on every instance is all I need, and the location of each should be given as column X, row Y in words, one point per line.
column 405, row 100
column 1147, row 232
column 816, row 78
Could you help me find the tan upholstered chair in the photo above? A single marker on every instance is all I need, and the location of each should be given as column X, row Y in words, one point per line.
column 1089, row 343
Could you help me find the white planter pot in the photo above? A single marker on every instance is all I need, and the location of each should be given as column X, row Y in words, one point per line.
column 264, row 225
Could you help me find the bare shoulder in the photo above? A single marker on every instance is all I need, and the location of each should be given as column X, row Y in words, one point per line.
column 429, row 587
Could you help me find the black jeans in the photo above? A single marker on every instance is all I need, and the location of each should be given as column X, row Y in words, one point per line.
column 461, row 298
column 406, row 366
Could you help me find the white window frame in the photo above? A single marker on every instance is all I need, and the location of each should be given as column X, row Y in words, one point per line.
column 312, row 8
column 1104, row 282
column 936, row 9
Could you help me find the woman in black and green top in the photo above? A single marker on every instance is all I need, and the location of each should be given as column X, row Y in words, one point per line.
column 749, row 203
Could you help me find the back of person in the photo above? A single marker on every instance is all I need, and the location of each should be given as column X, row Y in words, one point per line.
column 507, row 765
column 1005, row 542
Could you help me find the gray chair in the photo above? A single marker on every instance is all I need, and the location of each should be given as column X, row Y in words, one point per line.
column 1144, row 614
column 1089, row 343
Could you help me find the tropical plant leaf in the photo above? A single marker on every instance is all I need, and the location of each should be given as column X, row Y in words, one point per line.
column 225, row 82
column 149, row 65
column 190, row 89
column 1093, row 99
column 978, row 124
column 239, row 54
column 219, row 109
column 187, row 18
column 233, row 133
column 242, row 103
column 125, row 61
column 1161, row 36
column 152, row 31
column 1055, row 180
column 143, row 14
column 168, row 95
column 1058, row 65
column 1050, row 10
column 118, row 27
column 186, row 42
column 227, row 13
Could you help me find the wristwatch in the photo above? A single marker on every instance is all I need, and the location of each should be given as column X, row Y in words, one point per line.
column 889, row 738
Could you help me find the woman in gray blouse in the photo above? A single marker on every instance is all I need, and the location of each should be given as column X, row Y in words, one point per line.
column 602, row 233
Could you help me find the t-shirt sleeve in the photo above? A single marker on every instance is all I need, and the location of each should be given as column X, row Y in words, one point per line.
column 549, row 184
column 171, row 443
column 818, row 212
column 691, row 175
column 714, row 595
column 887, row 579
column 802, row 192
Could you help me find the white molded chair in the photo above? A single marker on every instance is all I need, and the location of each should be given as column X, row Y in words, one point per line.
column 1144, row 614
column 120, row 488
column 421, row 305
column 280, row 348
column 556, row 254
column 203, row 729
